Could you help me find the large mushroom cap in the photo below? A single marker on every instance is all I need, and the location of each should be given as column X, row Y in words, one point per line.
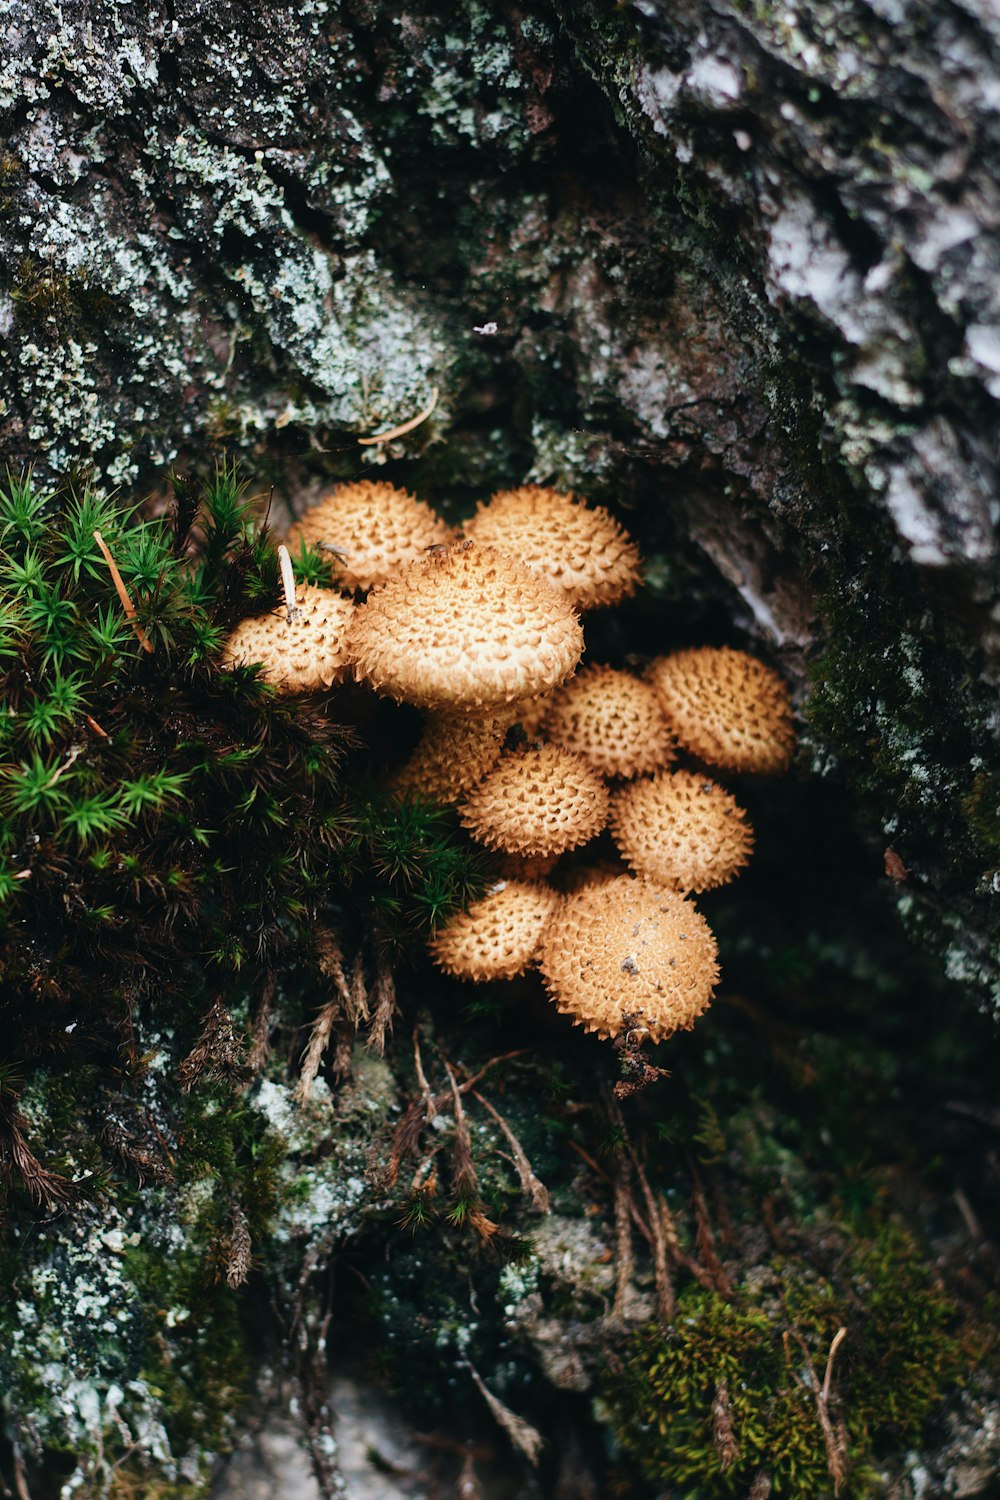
column 727, row 708
column 629, row 954
column 453, row 754
column 612, row 719
column 303, row 656
column 537, row 801
column 464, row 627
column 498, row 936
column 681, row 830
column 580, row 549
column 376, row 528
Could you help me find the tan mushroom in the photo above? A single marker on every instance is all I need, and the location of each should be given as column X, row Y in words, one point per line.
column 375, row 527
column 304, row 655
column 453, row 755
column 498, row 936
column 612, row 719
column 629, row 956
column 537, row 801
column 578, row 548
column 464, row 627
column 681, row 830
column 727, row 708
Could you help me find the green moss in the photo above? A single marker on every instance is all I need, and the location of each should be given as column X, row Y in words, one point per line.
column 730, row 1390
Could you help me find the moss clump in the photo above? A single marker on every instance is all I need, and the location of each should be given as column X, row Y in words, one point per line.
column 733, row 1389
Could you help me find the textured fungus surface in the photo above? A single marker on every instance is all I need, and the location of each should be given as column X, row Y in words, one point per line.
column 681, row 830
column 727, row 708
column 304, row 654
column 612, row 719
column 581, row 550
column 466, row 626
column 630, row 954
column 497, row 937
column 454, row 752
column 537, row 801
column 374, row 529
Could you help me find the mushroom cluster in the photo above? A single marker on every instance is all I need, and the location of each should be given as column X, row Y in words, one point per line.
column 481, row 630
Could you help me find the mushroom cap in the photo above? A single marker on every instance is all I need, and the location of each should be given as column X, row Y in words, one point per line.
column 536, row 801
column 530, row 712
column 464, row 627
column 498, row 936
column 612, row 719
column 301, row 657
column 727, row 708
column 452, row 755
column 629, row 954
column 681, row 830
column 376, row 526
column 579, row 548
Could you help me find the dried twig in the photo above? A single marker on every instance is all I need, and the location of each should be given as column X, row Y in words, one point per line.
column 466, row 1180
column 521, row 1433
column 239, row 1253
column 834, row 1438
column 705, row 1241
column 535, row 1191
column 407, row 1133
column 218, row 1053
column 425, row 1091
column 123, row 594
column 319, row 1037
column 385, row 1006
column 404, row 427
column 666, row 1301
column 287, row 582
column 623, row 1243
column 260, row 1044
column 723, row 1431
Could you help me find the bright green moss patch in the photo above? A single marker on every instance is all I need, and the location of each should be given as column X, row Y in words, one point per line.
column 733, row 1390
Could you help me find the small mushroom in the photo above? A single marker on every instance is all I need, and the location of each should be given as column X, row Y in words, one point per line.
column 498, row 936
column 726, row 707
column 627, row 949
column 578, row 548
column 681, row 830
column 612, row 719
column 453, row 755
column 299, row 655
column 374, row 527
column 464, row 627
column 537, row 801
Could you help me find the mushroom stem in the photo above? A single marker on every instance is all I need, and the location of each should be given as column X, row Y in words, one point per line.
column 287, row 581
column 123, row 594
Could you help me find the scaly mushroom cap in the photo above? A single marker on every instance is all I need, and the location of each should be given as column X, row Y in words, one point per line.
column 629, row 954
column 727, row 708
column 498, row 936
column 376, row 527
column 540, row 800
column 580, row 549
column 452, row 755
column 301, row 657
column 681, row 830
column 530, row 712
column 464, row 627
column 612, row 719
